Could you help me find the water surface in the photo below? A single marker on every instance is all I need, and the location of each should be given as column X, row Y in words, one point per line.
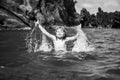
column 103, row 64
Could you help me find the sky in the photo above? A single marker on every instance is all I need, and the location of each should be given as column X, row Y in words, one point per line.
column 92, row 5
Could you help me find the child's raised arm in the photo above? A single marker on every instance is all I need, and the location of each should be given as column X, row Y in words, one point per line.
column 44, row 31
column 74, row 37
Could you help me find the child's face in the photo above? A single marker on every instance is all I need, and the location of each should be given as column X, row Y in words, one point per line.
column 60, row 33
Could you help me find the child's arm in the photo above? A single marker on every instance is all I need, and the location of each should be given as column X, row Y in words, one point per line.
column 45, row 31
column 78, row 28
column 72, row 38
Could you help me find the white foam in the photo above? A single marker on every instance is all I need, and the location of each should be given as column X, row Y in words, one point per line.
column 81, row 44
column 45, row 45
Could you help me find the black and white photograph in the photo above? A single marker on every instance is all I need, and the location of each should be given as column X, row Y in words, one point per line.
column 59, row 39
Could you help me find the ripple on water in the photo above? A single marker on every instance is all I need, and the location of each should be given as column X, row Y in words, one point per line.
column 104, row 62
column 104, row 78
column 113, row 71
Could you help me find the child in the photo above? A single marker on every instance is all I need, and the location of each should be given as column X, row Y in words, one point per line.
column 59, row 39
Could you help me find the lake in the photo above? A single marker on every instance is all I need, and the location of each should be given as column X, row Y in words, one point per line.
column 103, row 64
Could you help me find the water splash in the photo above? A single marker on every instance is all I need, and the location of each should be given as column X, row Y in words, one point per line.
column 45, row 45
column 82, row 43
column 36, row 41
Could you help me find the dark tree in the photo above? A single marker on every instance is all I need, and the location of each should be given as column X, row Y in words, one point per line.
column 116, row 20
column 93, row 21
column 55, row 12
column 86, row 17
column 100, row 17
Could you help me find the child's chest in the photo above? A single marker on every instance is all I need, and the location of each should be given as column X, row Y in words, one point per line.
column 59, row 43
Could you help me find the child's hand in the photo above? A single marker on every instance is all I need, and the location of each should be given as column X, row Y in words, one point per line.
column 78, row 27
column 37, row 22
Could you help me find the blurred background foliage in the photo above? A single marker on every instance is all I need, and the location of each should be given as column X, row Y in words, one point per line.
column 55, row 12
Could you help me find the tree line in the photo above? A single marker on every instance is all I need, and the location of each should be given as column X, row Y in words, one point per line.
column 57, row 12
column 101, row 19
column 54, row 12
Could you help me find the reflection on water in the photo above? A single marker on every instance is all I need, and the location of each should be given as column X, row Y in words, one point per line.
column 102, row 64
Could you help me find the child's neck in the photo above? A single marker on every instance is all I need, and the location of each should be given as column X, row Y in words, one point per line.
column 59, row 38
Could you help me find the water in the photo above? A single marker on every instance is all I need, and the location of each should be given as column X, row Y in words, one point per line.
column 44, row 46
column 103, row 64
column 82, row 43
